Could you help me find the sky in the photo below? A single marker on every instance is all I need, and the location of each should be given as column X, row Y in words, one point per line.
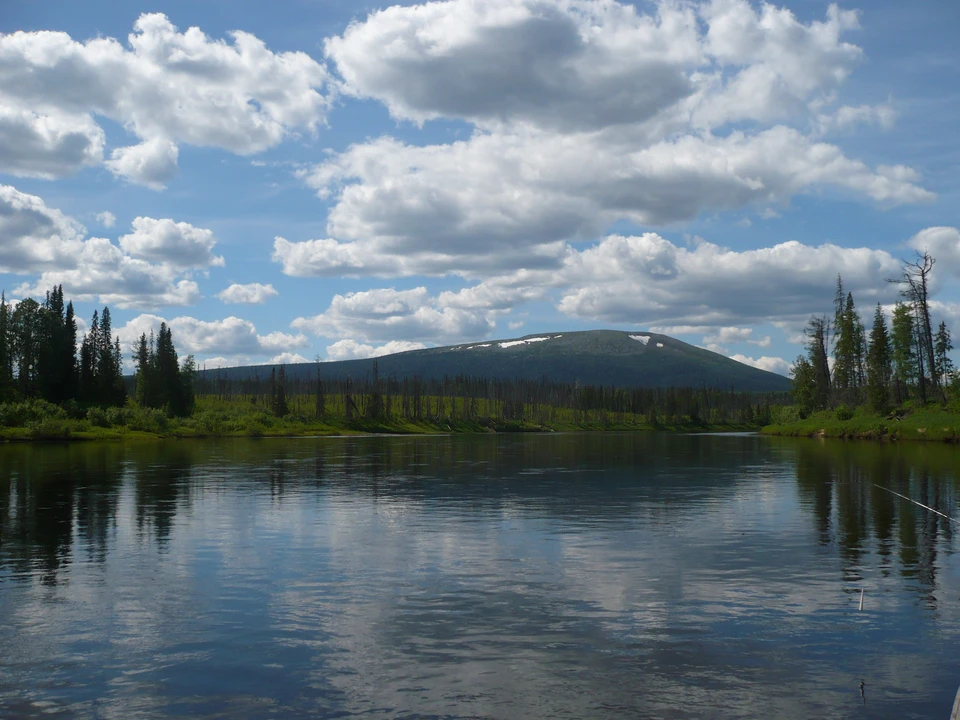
column 334, row 179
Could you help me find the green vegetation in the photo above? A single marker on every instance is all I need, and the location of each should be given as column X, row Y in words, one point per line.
column 899, row 384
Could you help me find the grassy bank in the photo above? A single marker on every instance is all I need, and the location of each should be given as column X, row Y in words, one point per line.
column 37, row 420
column 933, row 423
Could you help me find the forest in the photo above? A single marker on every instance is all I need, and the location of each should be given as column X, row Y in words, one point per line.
column 854, row 382
column 54, row 384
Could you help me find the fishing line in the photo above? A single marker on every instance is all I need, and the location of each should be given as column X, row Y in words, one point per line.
column 925, row 507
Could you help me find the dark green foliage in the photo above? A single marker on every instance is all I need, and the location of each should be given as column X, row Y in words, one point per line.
column 818, row 329
column 879, row 363
column 161, row 382
column 101, row 371
column 942, row 345
column 6, row 352
column 902, row 352
column 804, row 393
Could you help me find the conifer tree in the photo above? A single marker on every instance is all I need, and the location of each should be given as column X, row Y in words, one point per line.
column 6, row 354
column 903, row 356
column 818, row 330
column 27, row 336
column 942, row 345
column 879, row 365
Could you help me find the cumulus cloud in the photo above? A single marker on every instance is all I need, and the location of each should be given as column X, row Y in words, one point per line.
column 573, row 65
column 649, row 280
column 144, row 271
column 47, row 146
column 584, row 114
column 387, row 314
column 943, row 244
column 251, row 294
column 101, row 270
column 107, row 219
column 165, row 86
column 352, row 350
column 287, row 359
column 152, row 163
column 498, row 201
column 770, row 364
column 581, row 65
column 231, row 336
column 35, row 237
column 177, row 244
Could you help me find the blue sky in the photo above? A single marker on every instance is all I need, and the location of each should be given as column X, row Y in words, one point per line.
column 280, row 181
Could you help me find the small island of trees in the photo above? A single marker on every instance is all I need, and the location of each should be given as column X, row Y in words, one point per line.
column 899, row 368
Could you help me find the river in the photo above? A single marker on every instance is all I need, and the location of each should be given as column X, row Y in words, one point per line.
column 504, row 576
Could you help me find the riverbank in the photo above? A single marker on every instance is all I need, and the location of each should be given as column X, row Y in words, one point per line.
column 928, row 424
column 83, row 431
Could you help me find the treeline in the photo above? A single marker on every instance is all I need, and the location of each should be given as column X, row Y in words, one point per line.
column 40, row 359
column 466, row 398
column 904, row 360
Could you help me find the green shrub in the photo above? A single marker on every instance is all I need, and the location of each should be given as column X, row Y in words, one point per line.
column 785, row 414
column 49, row 429
column 844, row 413
column 97, row 417
column 148, row 420
column 117, row 416
column 33, row 411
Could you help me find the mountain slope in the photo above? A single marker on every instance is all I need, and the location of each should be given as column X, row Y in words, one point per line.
column 594, row 357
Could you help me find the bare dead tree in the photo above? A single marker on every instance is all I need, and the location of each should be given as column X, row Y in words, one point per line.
column 915, row 286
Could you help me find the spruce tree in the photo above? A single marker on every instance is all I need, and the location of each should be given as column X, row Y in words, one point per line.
column 903, row 356
column 879, row 366
column 818, row 330
column 942, row 345
column 68, row 359
column 6, row 354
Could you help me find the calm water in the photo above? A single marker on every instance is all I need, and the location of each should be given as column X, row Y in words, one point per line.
column 649, row 576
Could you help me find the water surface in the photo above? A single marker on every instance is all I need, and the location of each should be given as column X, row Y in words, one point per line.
column 589, row 575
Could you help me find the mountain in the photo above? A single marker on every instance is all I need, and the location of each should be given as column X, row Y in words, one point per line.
column 593, row 357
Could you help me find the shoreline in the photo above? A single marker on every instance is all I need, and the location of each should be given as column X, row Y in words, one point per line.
column 121, row 434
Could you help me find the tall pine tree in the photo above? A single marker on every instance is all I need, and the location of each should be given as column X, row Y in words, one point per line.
column 879, row 366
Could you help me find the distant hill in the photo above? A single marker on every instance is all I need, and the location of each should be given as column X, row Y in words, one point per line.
column 593, row 357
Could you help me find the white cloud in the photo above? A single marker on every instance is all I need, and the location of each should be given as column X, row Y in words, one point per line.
column 34, row 236
column 499, row 201
column 107, row 219
column 42, row 241
column 352, row 350
column 943, row 244
column 770, row 364
column 167, row 87
column 101, row 270
column 387, row 314
column 584, row 114
column 575, row 65
column 231, row 336
column 252, row 294
column 847, row 117
column 152, row 163
column 282, row 341
column 287, row 359
column 649, row 280
column 177, row 244
column 580, row 65
column 47, row 146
